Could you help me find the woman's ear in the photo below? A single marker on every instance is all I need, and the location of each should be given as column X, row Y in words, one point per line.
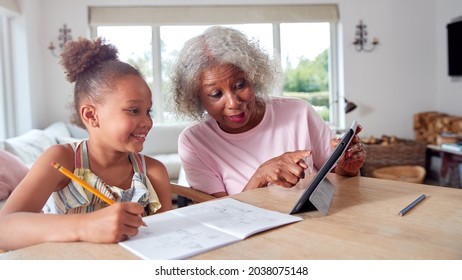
column 89, row 116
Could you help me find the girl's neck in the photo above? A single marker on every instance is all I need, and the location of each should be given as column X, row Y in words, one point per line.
column 105, row 158
column 114, row 168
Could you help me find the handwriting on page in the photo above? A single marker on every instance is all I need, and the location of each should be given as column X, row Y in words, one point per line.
column 233, row 216
column 183, row 232
column 170, row 236
column 186, row 238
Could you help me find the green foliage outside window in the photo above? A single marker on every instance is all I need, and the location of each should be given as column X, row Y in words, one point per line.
column 310, row 81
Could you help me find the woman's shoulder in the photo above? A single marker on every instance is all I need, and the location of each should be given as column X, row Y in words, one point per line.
column 284, row 101
column 197, row 128
column 289, row 104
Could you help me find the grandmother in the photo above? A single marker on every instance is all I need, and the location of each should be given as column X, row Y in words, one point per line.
column 243, row 137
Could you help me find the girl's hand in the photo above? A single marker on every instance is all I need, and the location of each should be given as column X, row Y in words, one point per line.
column 285, row 170
column 353, row 158
column 111, row 224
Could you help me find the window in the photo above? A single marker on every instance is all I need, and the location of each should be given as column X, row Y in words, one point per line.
column 302, row 35
column 3, row 122
column 6, row 96
column 8, row 9
column 305, row 60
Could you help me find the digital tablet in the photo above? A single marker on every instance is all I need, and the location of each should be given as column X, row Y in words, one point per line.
column 320, row 191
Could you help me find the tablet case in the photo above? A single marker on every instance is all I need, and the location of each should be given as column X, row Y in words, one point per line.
column 320, row 191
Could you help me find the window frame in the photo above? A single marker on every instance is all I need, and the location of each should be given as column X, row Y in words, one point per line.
column 220, row 15
column 7, row 105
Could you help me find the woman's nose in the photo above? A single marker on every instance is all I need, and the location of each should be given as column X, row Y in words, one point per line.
column 233, row 101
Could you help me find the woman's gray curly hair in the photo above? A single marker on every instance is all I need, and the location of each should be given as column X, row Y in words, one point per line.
column 217, row 46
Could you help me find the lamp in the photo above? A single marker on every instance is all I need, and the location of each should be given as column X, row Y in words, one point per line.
column 349, row 106
column 63, row 36
column 360, row 41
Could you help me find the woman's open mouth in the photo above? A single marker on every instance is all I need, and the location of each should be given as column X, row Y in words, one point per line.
column 237, row 118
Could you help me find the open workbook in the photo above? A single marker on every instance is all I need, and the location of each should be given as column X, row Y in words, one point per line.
column 187, row 231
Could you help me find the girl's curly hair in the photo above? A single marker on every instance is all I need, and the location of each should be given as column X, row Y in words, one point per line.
column 218, row 46
column 94, row 66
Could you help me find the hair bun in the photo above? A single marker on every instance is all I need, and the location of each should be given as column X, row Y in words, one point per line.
column 83, row 54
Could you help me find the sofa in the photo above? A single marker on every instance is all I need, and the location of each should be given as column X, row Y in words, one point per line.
column 161, row 143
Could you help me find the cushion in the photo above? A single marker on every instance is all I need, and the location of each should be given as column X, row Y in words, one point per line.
column 58, row 129
column 29, row 146
column 77, row 132
column 62, row 130
column 12, row 171
column 163, row 139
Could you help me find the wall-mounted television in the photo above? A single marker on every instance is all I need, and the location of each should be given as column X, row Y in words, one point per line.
column 454, row 31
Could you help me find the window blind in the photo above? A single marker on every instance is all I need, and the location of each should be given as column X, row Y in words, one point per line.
column 209, row 15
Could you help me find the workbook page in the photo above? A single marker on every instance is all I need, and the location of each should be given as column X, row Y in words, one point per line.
column 170, row 236
column 187, row 231
column 235, row 217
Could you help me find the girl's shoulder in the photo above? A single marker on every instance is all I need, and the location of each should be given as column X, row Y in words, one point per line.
column 152, row 164
column 60, row 151
column 158, row 178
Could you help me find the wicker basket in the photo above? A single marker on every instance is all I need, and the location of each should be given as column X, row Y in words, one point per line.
column 406, row 173
column 404, row 152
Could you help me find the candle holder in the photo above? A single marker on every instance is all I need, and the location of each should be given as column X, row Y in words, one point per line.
column 63, row 36
column 360, row 41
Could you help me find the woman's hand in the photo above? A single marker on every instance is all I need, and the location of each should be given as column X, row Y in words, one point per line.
column 285, row 170
column 111, row 224
column 353, row 158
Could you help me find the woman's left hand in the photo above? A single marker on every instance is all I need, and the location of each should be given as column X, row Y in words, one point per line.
column 353, row 158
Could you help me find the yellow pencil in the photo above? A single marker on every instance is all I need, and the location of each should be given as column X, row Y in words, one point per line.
column 84, row 184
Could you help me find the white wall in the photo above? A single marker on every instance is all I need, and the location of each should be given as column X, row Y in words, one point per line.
column 396, row 80
column 404, row 75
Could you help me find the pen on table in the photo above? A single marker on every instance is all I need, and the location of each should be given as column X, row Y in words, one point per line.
column 84, row 184
column 412, row 205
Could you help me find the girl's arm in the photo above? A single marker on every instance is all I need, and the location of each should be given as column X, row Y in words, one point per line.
column 22, row 223
column 108, row 225
column 158, row 175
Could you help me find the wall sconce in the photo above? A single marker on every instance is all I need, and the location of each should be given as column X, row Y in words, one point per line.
column 349, row 106
column 63, row 37
column 360, row 41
